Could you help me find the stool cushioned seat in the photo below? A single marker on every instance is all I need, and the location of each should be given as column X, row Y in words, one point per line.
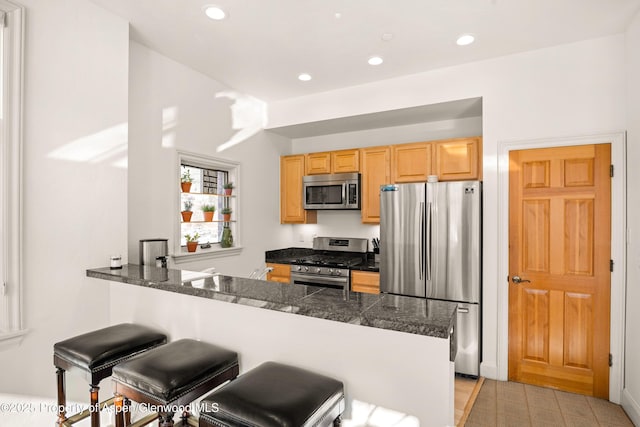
column 101, row 349
column 276, row 395
column 173, row 370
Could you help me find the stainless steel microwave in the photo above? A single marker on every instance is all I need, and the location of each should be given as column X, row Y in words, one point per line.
column 331, row 191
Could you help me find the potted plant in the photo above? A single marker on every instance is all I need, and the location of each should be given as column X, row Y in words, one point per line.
column 226, row 214
column 186, row 213
column 228, row 188
column 185, row 181
column 208, row 211
column 192, row 242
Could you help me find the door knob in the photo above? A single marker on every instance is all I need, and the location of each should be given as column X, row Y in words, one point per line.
column 518, row 279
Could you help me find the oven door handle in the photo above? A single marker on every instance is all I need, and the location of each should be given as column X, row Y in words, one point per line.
column 319, row 279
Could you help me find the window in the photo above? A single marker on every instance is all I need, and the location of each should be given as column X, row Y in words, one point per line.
column 208, row 207
column 11, row 25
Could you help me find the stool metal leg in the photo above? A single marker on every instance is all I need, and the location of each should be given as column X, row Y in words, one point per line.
column 127, row 411
column 62, row 396
column 95, row 406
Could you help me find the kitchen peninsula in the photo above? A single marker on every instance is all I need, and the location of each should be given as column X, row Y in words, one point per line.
column 402, row 361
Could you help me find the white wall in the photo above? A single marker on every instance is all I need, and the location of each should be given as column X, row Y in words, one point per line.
column 75, row 115
column 196, row 121
column 631, row 393
column 572, row 89
column 349, row 223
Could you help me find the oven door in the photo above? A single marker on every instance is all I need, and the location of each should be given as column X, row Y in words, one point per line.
column 336, row 282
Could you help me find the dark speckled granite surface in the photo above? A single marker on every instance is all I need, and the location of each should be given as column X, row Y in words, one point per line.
column 403, row 314
column 289, row 255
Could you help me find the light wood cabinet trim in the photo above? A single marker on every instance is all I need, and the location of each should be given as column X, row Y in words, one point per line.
column 457, row 159
column 375, row 165
column 281, row 273
column 318, row 163
column 365, row 281
column 411, row 162
column 345, row 161
column 292, row 210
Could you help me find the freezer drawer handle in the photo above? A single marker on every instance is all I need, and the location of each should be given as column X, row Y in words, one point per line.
column 463, row 310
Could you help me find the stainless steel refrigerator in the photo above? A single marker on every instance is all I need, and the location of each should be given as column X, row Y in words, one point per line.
column 430, row 247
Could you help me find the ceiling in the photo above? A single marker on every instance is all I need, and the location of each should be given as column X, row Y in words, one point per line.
column 264, row 44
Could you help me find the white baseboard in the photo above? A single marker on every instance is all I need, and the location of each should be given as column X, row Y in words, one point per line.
column 631, row 407
column 489, row 370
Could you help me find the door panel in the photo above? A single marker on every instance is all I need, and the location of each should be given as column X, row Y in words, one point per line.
column 560, row 245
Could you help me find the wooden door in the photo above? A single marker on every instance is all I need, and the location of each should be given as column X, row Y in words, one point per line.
column 560, row 246
column 411, row 162
column 457, row 159
column 291, row 205
column 345, row 161
column 375, row 172
column 318, row 163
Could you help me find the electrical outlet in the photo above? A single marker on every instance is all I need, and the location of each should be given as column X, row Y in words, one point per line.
column 301, row 237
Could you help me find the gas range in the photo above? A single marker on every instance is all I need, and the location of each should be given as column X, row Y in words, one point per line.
column 329, row 266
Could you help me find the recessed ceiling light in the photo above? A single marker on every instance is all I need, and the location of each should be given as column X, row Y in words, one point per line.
column 387, row 36
column 465, row 39
column 214, row 12
column 338, row 15
column 304, row 77
column 375, row 60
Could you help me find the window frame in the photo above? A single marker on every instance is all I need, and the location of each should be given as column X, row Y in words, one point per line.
column 206, row 162
column 12, row 327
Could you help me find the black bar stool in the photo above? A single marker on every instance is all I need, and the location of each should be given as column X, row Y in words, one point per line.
column 93, row 355
column 275, row 395
column 171, row 377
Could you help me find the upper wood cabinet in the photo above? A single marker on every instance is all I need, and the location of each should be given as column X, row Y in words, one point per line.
column 291, row 205
column 318, row 163
column 345, row 161
column 458, row 159
column 411, row 162
column 375, row 168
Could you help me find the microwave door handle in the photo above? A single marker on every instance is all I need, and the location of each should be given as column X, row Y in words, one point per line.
column 344, row 193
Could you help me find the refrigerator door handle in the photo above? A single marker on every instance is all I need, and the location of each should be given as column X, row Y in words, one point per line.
column 428, row 242
column 421, row 256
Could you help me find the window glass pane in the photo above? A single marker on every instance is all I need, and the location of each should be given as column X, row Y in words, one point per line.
column 207, row 189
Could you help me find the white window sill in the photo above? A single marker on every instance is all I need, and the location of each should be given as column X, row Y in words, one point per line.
column 10, row 339
column 201, row 254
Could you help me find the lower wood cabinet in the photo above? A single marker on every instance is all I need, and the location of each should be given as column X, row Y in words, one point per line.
column 365, row 281
column 280, row 273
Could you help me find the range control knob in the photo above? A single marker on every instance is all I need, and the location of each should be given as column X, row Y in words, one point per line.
column 306, row 268
column 338, row 273
column 298, row 268
column 331, row 271
column 318, row 270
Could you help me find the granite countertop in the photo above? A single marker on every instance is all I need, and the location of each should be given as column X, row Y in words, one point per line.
column 290, row 255
column 404, row 314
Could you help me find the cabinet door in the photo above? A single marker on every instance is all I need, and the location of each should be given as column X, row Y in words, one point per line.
column 291, row 206
column 280, row 273
column 345, row 161
column 375, row 168
column 411, row 162
column 318, row 163
column 365, row 281
column 458, row 159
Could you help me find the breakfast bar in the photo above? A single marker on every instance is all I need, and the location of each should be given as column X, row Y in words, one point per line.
column 393, row 353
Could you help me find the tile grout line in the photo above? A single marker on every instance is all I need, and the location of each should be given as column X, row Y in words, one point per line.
column 564, row 419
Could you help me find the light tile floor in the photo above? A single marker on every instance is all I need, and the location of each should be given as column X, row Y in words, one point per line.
column 502, row 403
